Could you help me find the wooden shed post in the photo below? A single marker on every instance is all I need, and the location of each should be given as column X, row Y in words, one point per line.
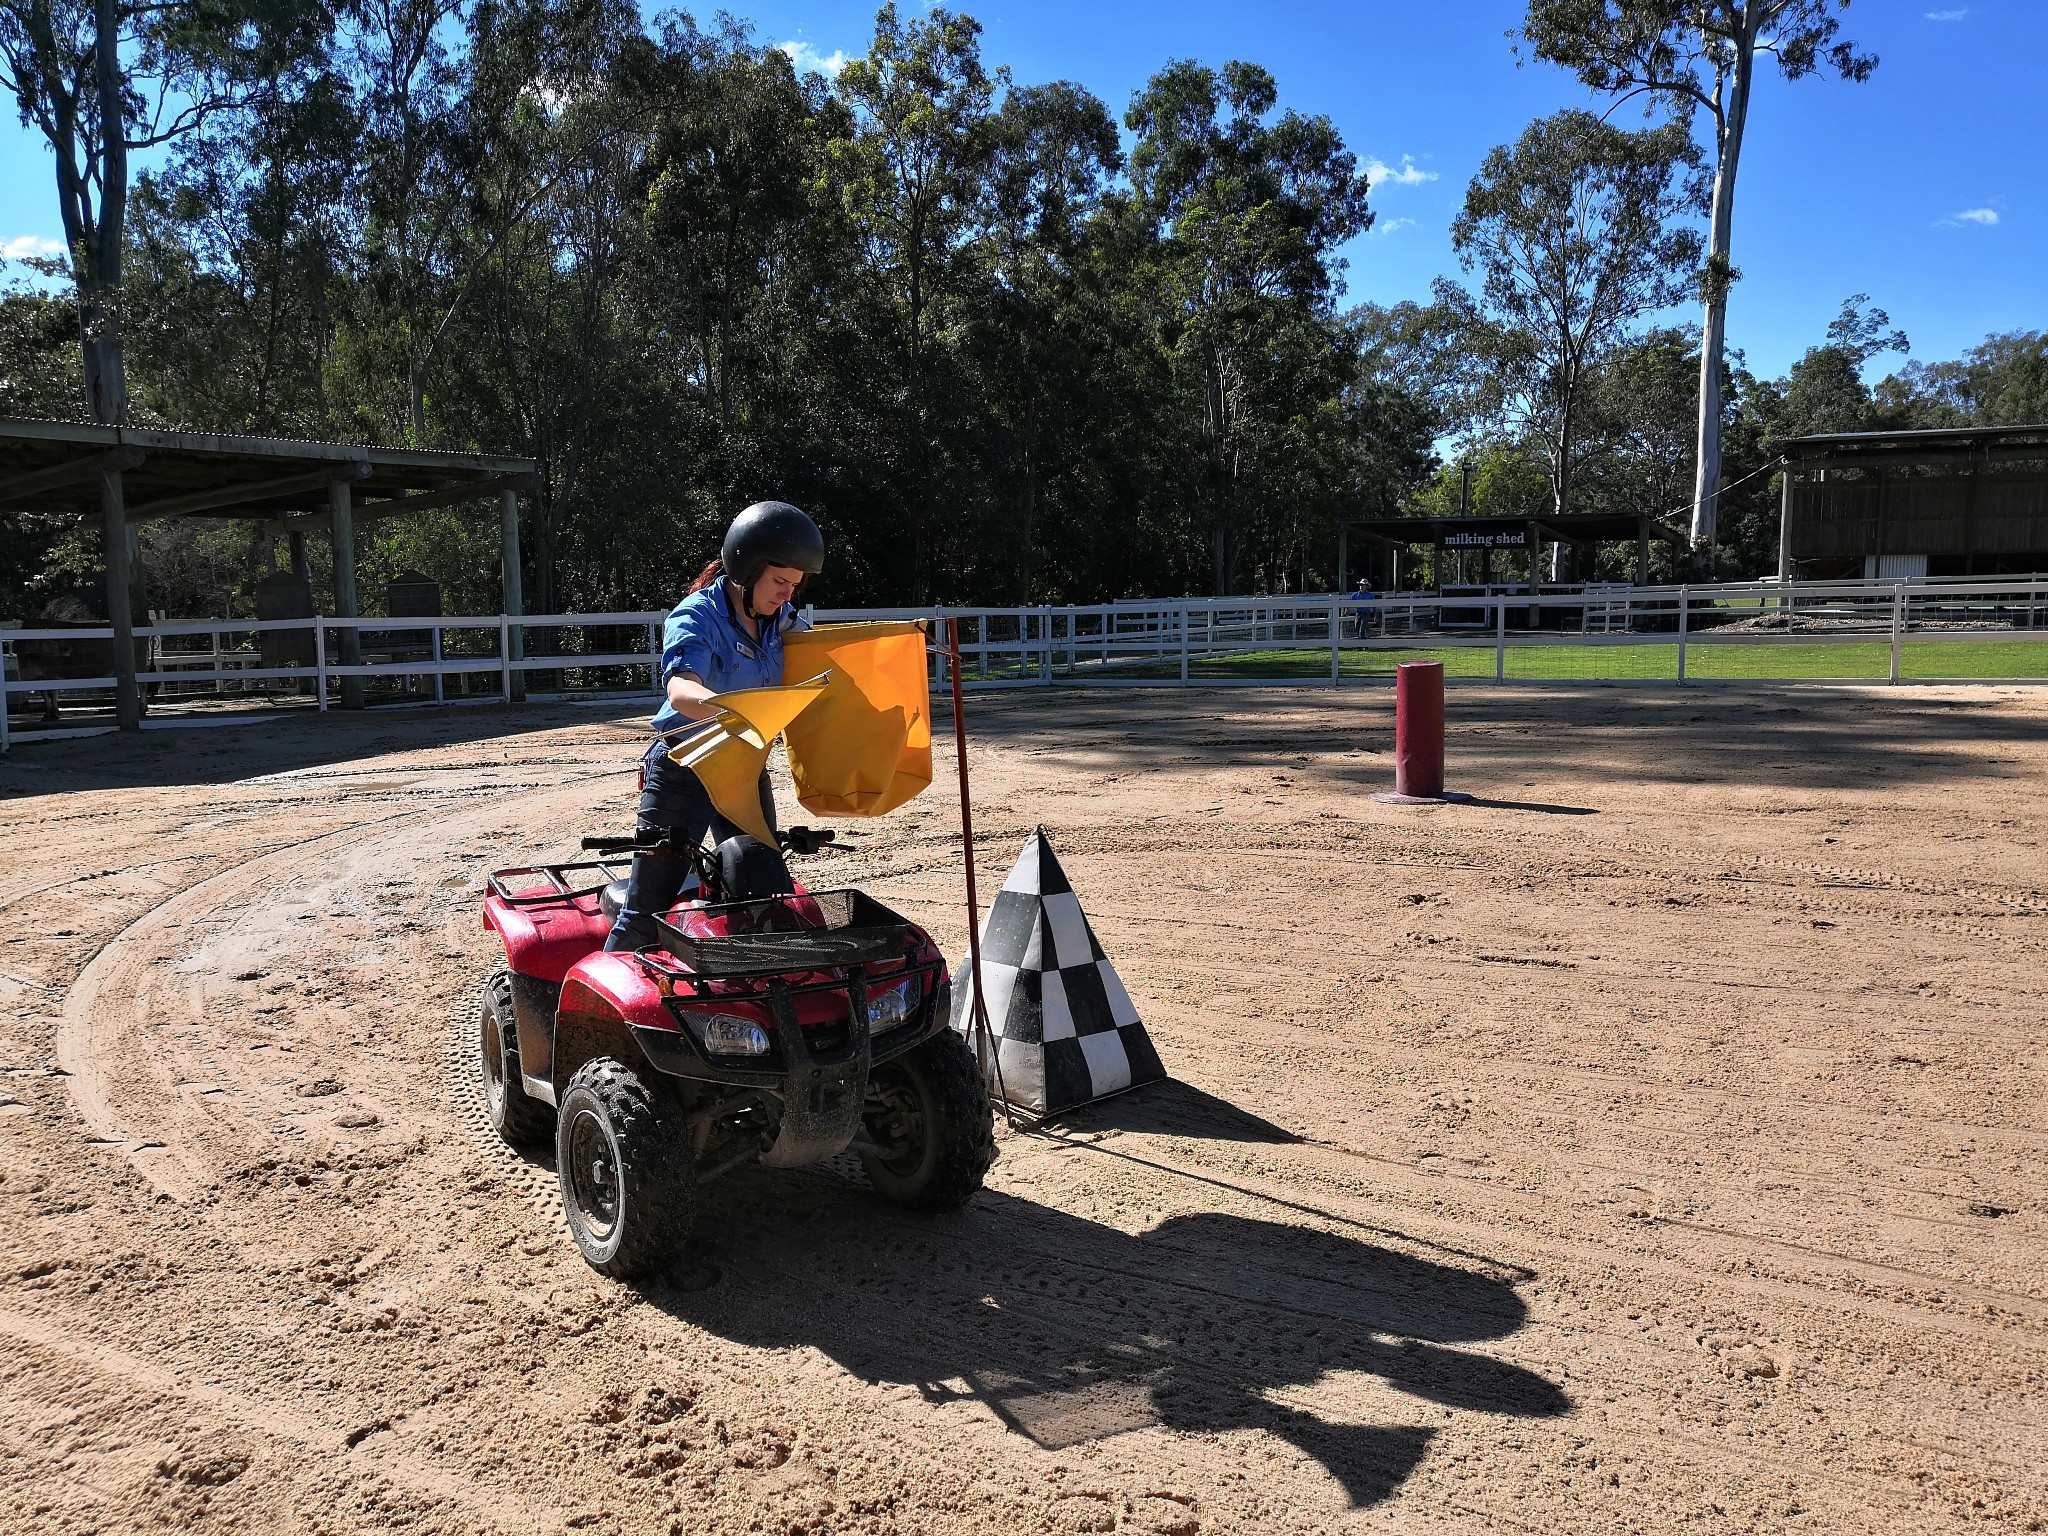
column 1642, row 551
column 1784, row 531
column 342, row 508
column 302, row 565
column 515, row 597
column 114, row 535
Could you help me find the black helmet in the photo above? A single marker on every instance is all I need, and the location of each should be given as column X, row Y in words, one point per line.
column 771, row 533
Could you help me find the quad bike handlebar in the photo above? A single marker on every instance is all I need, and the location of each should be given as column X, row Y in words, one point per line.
column 802, row 841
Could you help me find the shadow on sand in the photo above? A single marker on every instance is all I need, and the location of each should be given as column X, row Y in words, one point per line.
column 1532, row 805
column 1070, row 1330
column 1170, row 1107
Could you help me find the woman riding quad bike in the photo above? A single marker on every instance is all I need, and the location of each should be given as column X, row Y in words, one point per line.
column 707, row 1011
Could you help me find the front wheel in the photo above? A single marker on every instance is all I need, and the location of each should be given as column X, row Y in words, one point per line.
column 628, row 1181
column 927, row 1115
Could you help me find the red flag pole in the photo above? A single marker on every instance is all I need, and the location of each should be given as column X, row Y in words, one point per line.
column 984, row 1033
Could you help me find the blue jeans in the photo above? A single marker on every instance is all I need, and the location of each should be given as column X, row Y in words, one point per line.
column 673, row 801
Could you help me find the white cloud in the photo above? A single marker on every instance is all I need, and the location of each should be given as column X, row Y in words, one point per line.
column 1979, row 215
column 28, row 247
column 806, row 57
column 1946, row 15
column 1407, row 174
column 1388, row 226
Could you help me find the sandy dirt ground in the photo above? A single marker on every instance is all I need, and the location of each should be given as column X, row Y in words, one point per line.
column 1657, row 1145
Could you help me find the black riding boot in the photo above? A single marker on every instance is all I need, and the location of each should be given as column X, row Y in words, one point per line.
column 651, row 889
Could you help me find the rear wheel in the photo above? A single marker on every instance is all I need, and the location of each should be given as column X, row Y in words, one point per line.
column 516, row 1115
column 628, row 1181
column 928, row 1115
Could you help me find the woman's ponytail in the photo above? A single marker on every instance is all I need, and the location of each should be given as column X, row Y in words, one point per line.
column 708, row 576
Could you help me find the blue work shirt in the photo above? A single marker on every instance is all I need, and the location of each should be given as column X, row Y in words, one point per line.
column 704, row 636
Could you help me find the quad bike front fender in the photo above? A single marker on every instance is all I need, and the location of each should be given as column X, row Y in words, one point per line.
column 607, row 1001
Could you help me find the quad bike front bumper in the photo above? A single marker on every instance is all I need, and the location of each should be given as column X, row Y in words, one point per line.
column 819, row 1076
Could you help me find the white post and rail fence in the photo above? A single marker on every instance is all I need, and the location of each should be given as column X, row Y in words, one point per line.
column 1978, row 630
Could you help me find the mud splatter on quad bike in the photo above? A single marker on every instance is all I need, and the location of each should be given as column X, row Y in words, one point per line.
column 770, row 1029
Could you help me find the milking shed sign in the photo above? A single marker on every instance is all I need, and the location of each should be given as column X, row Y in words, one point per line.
column 1507, row 538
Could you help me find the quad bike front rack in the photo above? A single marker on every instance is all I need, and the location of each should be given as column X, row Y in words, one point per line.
column 858, row 931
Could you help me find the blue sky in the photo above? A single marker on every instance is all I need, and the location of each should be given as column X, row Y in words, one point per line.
column 1926, row 188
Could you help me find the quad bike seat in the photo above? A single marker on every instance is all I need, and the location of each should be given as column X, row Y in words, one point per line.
column 748, row 870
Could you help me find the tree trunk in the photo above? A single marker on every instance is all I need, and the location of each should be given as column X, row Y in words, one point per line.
column 416, row 385
column 1030, row 493
column 99, row 291
column 1714, row 331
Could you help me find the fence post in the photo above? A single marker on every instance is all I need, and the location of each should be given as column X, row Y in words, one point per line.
column 1045, row 656
column 1898, row 624
column 1185, row 616
column 1684, row 596
column 505, row 657
column 1336, row 639
column 655, row 637
column 320, row 659
column 440, row 697
column 6, row 703
column 1500, row 638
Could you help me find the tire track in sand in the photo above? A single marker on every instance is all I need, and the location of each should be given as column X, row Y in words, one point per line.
column 294, row 1435
column 115, row 1083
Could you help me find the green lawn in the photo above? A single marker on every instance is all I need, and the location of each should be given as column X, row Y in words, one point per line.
column 1852, row 660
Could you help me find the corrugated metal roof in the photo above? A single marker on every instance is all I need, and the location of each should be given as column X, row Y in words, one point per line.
column 172, row 473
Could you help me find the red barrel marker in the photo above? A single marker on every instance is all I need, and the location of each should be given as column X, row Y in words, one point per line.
column 1419, row 737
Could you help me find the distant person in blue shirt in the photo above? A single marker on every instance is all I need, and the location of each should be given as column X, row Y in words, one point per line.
column 726, row 634
column 1361, row 609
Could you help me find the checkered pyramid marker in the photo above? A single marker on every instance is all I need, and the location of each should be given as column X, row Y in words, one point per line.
column 1065, row 1029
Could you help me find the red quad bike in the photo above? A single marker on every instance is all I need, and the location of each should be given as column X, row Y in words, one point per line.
column 779, row 1030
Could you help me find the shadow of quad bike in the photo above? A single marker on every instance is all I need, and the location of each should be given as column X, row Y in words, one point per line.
column 1070, row 1330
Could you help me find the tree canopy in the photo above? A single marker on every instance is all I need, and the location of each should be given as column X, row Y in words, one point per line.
column 1008, row 344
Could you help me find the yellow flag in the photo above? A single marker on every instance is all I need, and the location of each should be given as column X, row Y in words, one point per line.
column 729, row 753
column 865, row 746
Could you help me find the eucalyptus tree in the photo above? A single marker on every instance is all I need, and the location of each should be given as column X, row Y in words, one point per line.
column 406, row 62
column 910, row 180
column 1246, row 207
column 241, row 250
column 730, row 183
column 1054, row 150
column 102, row 80
column 2001, row 382
column 1575, row 231
column 1698, row 56
column 556, row 125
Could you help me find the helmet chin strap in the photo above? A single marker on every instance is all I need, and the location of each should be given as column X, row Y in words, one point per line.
column 746, row 600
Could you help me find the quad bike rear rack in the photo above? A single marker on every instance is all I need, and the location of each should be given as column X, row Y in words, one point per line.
column 559, row 888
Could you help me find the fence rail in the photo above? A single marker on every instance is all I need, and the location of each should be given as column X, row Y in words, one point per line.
column 1990, row 629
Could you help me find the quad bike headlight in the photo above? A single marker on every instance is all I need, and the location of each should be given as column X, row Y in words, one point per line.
column 890, row 1007
column 726, row 1034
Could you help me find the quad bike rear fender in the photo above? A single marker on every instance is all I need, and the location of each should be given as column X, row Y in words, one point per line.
column 543, row 939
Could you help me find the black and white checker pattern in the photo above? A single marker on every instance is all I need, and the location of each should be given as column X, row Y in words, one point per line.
column 1065, row 1028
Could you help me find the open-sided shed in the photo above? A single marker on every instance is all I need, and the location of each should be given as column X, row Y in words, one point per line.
column 1965, row 501
column 129, row 475
column 1578, row 532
